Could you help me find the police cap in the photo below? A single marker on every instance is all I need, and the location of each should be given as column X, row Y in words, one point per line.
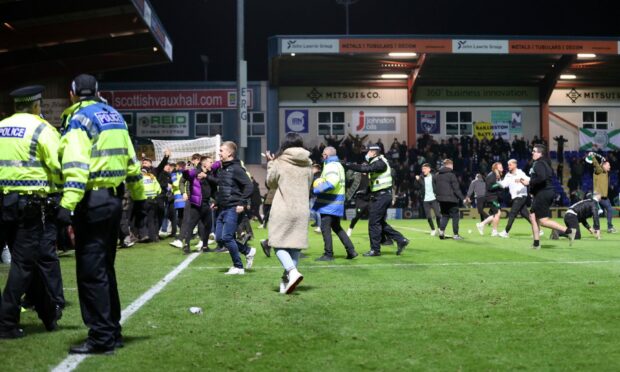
column 374, row 147
column 84, row 85
column 27, row 94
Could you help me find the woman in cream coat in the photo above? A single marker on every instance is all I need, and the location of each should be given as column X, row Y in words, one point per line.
column 290, row 173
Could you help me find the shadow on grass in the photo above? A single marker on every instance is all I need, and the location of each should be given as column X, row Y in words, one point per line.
column 300, row 288
column 131, row 340
column 38, row 328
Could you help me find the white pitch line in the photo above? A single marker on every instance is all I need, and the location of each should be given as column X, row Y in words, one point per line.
column 414, row 229
column 73, row 360
column 436, row 264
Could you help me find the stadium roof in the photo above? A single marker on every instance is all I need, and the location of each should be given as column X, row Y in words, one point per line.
column 444, row 60
column 41, row 38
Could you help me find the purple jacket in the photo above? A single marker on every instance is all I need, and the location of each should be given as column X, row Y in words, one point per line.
column 195, row 192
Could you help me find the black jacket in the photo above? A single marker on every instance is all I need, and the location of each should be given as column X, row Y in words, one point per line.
column 378, row 166
column 493, row 189
column 446, row 186
column 420, row 185
column 164, row 178
column 586, row 209
column 541, row 175
column 234, row 187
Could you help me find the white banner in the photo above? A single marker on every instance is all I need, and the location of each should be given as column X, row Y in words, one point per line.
column 480, row 46
column 309, row 46
column 341, row 96
column 375, row 122
column 162, row 124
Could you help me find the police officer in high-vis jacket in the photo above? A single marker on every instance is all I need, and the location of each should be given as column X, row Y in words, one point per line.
column 97, row 157
column 380, row 179
column 29, row 183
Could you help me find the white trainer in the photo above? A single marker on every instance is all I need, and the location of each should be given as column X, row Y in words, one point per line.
column 283, row 286
column 494, row 233
column 480, row 228
column 199, row 245
column 349, row 232
column 317, row 229
column 235, row 271
column 294, row 278
column 249, row 258
column 5, row 256
column 177, row 243
column 504, row 234
column 434, row 232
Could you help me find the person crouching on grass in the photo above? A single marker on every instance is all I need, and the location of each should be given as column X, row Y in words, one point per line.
column 290, row 173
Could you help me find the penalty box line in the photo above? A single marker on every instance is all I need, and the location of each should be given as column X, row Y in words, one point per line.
column 71, row 362
column 432, row 264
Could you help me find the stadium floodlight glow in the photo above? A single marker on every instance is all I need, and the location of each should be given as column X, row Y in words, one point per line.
column 292, row 54
column 155, row 49
column 586, row 55
column 568, row 77
column 394, row 76
column 402, row 54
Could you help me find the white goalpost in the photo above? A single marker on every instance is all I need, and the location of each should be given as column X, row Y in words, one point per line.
column 184, row 149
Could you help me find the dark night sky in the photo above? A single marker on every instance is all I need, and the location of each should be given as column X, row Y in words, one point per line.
column 208, row 27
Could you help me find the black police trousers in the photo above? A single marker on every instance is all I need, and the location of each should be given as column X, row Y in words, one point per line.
column 377, row 225
column 96, row 220
column 35, row 269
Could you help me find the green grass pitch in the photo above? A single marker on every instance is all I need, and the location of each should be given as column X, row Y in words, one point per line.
column 479, row 304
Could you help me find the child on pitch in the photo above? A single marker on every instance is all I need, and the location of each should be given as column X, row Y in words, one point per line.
column 290, row 173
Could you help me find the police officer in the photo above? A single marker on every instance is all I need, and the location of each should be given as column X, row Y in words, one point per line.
column 29, row 178
column 97, row 156
column 149, row 220
column 380, row 176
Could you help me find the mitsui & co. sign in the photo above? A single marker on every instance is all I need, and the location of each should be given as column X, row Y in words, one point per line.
column 162, row 124
column 341, row 96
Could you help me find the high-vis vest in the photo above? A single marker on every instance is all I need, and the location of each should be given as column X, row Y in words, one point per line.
column 332, row 201
column 179, row 203
column 151, row 186
column 96, row 153
column 380, row 181
column 29, row 155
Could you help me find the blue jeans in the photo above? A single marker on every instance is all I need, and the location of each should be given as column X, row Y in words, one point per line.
column 289, row 257
column 609, row 211
column 225, row 229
